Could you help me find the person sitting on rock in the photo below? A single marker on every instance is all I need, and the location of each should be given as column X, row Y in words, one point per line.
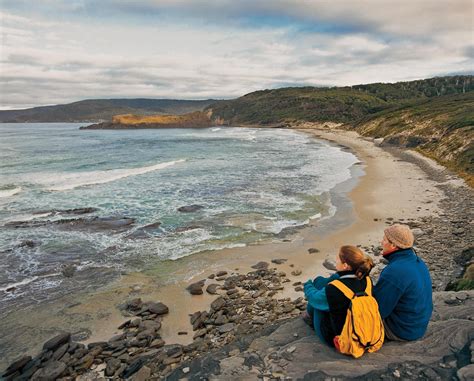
column 403, row 292
column 327, row 306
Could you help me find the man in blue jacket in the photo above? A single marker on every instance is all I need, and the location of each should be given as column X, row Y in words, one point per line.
column 404, row 291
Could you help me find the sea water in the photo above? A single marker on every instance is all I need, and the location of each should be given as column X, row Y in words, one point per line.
column 251, row 185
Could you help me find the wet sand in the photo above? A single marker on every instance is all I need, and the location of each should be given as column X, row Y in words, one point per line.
column 384, row 187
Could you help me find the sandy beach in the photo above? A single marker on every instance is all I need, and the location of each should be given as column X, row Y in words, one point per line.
column 384, row 188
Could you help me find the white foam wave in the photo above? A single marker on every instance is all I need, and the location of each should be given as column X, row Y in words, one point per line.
column 67, row 181
column 316, row 216
column 9, row 192
column 26, row 281
column 215, row 129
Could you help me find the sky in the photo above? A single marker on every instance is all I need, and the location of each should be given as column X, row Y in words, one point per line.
column 61, row 51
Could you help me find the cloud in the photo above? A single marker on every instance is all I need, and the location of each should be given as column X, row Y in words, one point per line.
column 61, row 51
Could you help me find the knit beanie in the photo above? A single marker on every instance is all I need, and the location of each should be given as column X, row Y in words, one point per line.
column 400, row 235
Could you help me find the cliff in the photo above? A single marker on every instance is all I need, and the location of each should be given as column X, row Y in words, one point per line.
column 196, row 119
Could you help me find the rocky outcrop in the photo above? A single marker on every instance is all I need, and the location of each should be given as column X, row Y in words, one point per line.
column 197, row 119
column 95, row 224
column 291, row 350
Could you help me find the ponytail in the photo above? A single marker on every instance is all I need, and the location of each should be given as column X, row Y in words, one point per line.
column 357, row 260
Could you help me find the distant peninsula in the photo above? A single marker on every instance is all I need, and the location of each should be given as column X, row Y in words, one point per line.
column 197, row 119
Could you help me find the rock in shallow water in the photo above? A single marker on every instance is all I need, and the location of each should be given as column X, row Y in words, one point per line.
column 157, row 308
column 212, row 288
column 196, row 288
column 190, row 208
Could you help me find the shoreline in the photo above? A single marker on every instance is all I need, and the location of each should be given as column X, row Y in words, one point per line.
column 380, row 193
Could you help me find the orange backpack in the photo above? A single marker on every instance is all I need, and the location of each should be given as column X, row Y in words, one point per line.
column 363, row 330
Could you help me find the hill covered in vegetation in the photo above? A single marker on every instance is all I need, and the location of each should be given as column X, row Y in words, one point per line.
column 335, row 104
column 439, row 127
column 99, row 110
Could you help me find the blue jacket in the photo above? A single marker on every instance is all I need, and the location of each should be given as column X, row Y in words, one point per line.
column 315, row 292
column 404, row 294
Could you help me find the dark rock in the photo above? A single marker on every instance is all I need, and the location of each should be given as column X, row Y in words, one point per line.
column 92, row 224
column 196, row 288
column 56, row 341
column 212, row 288
column 58, row 353
column 173, row 350
column 133, row 367
column 29, row 243
column 134, row 304
column 190, row 208
column 313, row 250
column 220, row 320
column 279, row 261
column 218, row 303
column 124, row 324
column 97, row 344
column 221, row 273
column 212, row 276
column 157, row 308
column 68, row 270
column 50, row 372
column 113, row 365
column 17, row 365
column 296, row 272
column 261, row 265
column 145, row 231
column 330, row 265
column 226, row 328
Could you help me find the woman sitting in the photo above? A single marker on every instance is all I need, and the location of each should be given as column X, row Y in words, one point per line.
column 327, row 305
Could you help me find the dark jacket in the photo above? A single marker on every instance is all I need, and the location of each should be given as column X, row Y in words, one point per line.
column 333, row 322
column 404, row 294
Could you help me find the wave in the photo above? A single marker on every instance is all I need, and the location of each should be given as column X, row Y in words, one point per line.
column 9, row 192
column 67, row 181
column 215, row 129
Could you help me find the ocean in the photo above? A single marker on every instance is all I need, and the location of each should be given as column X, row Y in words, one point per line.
column 245, row 186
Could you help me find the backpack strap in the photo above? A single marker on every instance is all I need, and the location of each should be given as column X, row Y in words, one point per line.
column 368, row 288
column 343, row 288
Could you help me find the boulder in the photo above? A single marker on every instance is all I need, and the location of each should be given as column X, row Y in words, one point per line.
column 196, row 288
column 17, row 365
column 261, row 265
column 157, row 308
column 212, row 288
column 190, row 208
column 55, row 342
column 330, row 265
column 50, row 372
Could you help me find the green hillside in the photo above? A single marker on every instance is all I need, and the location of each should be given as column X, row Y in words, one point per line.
column 97, row 110
column 337, row 104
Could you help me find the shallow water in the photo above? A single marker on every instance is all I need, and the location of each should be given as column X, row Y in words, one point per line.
column 252, row 184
